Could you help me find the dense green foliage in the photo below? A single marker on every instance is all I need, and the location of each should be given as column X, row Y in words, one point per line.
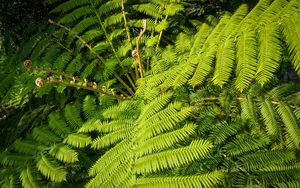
column 124, row 94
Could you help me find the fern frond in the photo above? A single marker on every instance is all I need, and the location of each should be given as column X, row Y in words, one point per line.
column 164, row 121
column 64, row 153
column 45, row 136
column 51, row 169
column 291, row 32
column 246, row 59
column 268, row 113
column 269, row 57
column 78, row 140
column 29, row 179
column 111, row 138
column 243, row 145
column 225, row 62
column 10, row 159
column 290, row 122
column 262, row 159
column 249, row 109
column 26, row 146
column 72, row 114
column 172, row 158
column 112, row 158
column 223, row 132
column 164, row 141
column 148, row 9
column 69, row 5
column 204, row 180
column 58, row 125
column 76, row 14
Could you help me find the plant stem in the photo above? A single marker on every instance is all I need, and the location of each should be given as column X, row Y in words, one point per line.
column 160, row 35
column 126, row 25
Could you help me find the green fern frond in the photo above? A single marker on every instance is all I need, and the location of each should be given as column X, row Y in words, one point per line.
column 204, row 180
column 226, row 130
column 249, row 110
column 269, row 57
column 290, row 122
column 78, row 140
column 58, row 125
column 51, row 169
column 26, row 146
column 29, row 179
column 268, row 113
column 291, row 32
column 76, row 14
column 164, row 121
column 290, row 184
column 242, row 145
column 225, row 62
column 69, row 5
column 64, row 153
column 172, row 158
column 262, row 159
column 45, row 136
column 148, row 9
column 246, row 59
column 111, row 138
column 72, row 114
column 164, row 141
column 63, row 60
column 10, row 159
column 89, row 106
column 172, row 9
column 111, row 159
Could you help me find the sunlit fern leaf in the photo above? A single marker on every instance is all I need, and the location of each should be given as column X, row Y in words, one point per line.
column 51, row 169
column 111, row 159
column 112, row 138
column 268, row 113
column 224, row 131
column 200, row 38
column 246, row 59
column 269, row 57
column 169, row 118
column 148, row 9
column 273, row 11
column 63, row 153
column 171, row 138
column 290, row 122
column 45, row 136
column 291, row 31
column 72, row 115
column 225, row 62
column 155, row 106
column 90, row 126
column 242, row 145
column 29, row 179
column 58, row 125
column 172, row 158
column 117, row 111
column 172, row 9
column 203, row 180
column 255, row 14
column 78, row 140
